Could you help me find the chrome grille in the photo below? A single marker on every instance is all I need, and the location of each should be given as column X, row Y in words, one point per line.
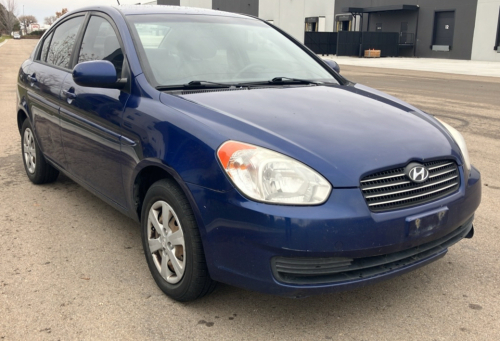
column 391, row 189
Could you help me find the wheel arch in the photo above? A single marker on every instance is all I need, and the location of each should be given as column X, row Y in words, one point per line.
column 23, row 111
column 21, row 117
column 151, row 171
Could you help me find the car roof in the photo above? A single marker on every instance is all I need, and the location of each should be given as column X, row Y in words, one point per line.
column 162, row 9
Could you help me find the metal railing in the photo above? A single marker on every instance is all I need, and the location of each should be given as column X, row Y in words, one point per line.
column 406, row 38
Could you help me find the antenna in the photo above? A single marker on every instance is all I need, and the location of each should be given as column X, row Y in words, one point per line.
column 118, row 2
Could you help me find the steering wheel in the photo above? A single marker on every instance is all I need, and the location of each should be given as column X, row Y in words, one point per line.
column 249, row 67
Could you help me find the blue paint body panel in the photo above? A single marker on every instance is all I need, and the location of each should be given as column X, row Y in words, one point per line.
column 104, row 138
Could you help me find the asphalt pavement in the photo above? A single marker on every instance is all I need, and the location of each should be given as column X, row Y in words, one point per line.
column 72, row 268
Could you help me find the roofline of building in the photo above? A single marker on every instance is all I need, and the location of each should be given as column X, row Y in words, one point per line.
column 381, row 9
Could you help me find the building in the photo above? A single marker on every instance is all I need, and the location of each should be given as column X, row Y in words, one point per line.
column 293, row 16
column 299, row 16
column 486, row 42
column 453, row 29
column 427, row 28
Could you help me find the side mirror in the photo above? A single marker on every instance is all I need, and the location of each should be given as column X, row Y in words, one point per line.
column 333, row 64
column 97, row 74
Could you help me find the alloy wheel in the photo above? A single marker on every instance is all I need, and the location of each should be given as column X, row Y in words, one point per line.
column 29, row 150
column 166, row 242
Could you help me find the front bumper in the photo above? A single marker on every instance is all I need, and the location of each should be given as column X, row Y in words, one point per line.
column 244, row 239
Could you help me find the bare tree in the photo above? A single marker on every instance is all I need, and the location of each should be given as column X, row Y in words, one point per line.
column 28, row 19
column 50, row 20
column 8, row 20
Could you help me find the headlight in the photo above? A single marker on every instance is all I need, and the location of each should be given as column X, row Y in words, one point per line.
column 459, row 139
column 268, row 176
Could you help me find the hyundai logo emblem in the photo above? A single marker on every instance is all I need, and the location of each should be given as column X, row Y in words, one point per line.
column 417, row 172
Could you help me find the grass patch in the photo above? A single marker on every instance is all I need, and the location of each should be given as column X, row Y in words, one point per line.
column 3, row 38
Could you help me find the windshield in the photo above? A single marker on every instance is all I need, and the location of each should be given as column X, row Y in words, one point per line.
column 178, row 49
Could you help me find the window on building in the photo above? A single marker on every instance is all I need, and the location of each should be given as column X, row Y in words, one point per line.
column 312, row 24
column 311, row 27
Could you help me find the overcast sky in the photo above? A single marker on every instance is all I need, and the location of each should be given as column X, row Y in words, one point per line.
column 44, row 8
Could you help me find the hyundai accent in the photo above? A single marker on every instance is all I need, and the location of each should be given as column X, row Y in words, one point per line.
column 245, row 158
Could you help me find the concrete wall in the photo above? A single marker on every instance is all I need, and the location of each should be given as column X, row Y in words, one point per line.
column 392, row 23
column 237, row 6
column 465, row 17
column 169, row 2
column 197, row 3
column 286, row 14
column 269, row 10
column 187, row 3
column 486, row 31
column 289, row 15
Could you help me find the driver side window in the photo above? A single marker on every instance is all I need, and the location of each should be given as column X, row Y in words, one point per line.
column 100, row 42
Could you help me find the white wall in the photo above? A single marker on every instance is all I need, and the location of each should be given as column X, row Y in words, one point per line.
column 292, row 21
column 289, row 15
column 321, row 8
column 486, row 31
column 197, row 3
column 269, row 10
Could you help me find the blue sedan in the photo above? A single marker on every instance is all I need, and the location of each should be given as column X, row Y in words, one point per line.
column 246, row 159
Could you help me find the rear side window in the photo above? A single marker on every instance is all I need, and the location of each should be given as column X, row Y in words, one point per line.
column 100, row 42
column 45, row 47
column 61, row 46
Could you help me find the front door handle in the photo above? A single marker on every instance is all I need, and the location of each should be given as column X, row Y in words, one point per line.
column 70, row 94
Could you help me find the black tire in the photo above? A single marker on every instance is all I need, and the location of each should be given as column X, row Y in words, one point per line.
column 195, row 281
column 39, row 171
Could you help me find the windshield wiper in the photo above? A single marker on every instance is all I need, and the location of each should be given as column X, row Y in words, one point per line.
column 197, row 84
column 208, row 84
column 272, row 81
column 201, row 83
column 281, row 81
column 297, row 80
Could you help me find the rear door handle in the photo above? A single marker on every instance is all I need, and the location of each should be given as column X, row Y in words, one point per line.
column 69, row 93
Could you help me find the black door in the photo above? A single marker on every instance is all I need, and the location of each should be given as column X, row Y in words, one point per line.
column 45, row 77
column 403, row 34
column 444, row 24
column 91, row 117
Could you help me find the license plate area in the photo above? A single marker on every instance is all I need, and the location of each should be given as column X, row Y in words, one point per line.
column 426, row 223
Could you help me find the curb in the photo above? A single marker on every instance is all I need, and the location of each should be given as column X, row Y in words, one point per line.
column 5, row 42
column 452, row 66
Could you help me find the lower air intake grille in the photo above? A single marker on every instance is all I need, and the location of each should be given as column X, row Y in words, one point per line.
column 310, row 270
column 392, row 189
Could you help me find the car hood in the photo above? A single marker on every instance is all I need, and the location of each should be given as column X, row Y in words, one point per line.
column 343, row 132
